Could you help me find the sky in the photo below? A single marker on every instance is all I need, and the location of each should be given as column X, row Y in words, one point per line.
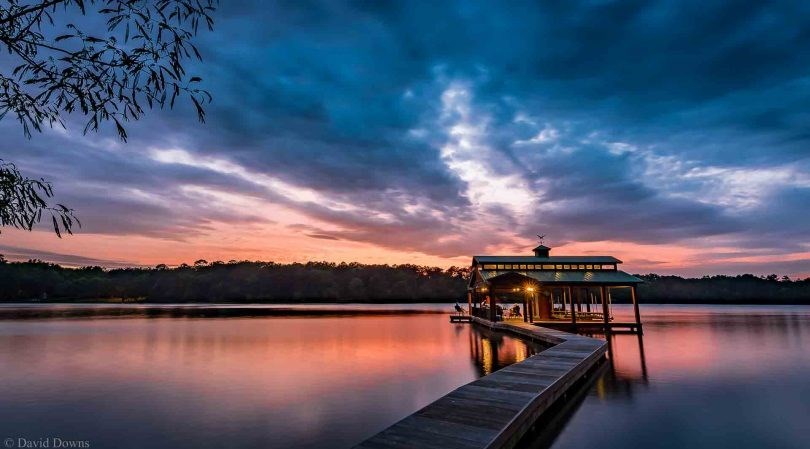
column 674, row 135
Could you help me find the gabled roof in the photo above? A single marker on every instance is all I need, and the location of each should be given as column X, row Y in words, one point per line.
column 568, row 277
column 549, row 260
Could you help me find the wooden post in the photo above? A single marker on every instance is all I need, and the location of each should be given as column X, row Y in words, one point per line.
column 493, row 315
column 605, row 315
column 525, row 307
column 573, row 307
column 589, row 300
column 469, row 303
column 564, row 300
column 635, row 308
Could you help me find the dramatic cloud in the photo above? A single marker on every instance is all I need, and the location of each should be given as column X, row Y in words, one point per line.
column 671, row 134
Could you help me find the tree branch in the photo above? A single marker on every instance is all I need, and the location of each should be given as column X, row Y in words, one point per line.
column 31, row 9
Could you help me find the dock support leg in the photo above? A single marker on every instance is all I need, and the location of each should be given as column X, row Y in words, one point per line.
column 589, row 296
column 565, row 299
column 605, row 313
column 635, row 309
column 573, row 308
column 526, row 307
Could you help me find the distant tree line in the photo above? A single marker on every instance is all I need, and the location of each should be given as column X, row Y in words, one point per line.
column 740, row 289
column 249, row 282
column 233, row 281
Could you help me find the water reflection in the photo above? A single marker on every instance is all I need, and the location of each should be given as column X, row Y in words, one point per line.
column 492, row 351
column 701, row 377
column 275, row 382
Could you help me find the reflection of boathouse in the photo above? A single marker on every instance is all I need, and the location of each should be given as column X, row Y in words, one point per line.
column 561, row 291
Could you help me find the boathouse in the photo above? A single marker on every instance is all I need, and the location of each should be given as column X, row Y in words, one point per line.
column 554, row 291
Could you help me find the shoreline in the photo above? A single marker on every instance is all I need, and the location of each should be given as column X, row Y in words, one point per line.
column 100, row 310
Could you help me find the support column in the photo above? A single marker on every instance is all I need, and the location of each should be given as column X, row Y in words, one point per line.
column 589, row 298
column 573, row 307
column 635, row 308
column 605, row 314
column 493, row 315
column 564, row 300
column 469, row 302
column 525, row 306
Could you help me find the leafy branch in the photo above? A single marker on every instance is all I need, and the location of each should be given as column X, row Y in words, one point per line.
column 23, row 202
column 138, row 63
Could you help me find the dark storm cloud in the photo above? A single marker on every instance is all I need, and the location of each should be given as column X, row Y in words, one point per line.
column 345, row 98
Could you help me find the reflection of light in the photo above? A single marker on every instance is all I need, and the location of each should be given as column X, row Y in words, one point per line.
column 601, row 388
column 487, row 353
column 520, row 353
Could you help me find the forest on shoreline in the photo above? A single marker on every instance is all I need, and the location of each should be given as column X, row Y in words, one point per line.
column 269, row 282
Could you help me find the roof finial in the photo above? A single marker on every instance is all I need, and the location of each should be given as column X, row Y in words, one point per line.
column 541, row 237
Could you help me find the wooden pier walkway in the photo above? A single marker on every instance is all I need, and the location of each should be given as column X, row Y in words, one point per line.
column 495, row 411
column 597, row 327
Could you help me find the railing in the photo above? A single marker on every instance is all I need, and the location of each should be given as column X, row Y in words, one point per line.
column 566, row 315
column 483, row 312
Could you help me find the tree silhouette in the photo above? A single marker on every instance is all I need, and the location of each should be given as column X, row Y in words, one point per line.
column 136, row 62
column 23, row 202
column 59, row 67
column 269, row 282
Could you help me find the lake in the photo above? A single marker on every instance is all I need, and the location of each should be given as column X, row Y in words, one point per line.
column 161, row 377
column 176, row 381
column 702, row 377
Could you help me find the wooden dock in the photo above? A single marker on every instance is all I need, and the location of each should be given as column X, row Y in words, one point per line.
column 495, row 411
column 597, row 327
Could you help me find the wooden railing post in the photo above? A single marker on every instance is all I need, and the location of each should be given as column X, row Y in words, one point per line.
column 573, row 307
column 525, row 306
column 605, row 313
column 635, row 308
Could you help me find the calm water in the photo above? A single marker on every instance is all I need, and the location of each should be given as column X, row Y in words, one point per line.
column 702, row 376
column 269, row 382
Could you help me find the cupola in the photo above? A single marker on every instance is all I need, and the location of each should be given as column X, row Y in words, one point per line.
column 541, row 251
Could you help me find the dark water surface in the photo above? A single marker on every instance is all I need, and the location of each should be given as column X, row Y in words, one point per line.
column 258, row 382
column 702, row 377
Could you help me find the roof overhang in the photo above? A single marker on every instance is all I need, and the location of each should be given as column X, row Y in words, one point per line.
column 545, row 260
column 595, row 278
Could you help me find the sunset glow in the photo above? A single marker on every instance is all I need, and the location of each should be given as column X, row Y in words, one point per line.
column 396, row 141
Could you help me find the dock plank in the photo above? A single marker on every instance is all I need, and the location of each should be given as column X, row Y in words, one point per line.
column 496, row 410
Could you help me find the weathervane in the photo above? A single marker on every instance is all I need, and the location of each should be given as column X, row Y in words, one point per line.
column 541, row 237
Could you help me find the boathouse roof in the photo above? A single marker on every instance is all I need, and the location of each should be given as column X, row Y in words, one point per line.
column 547, row 269
column 547, row 260
column 607, row 277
